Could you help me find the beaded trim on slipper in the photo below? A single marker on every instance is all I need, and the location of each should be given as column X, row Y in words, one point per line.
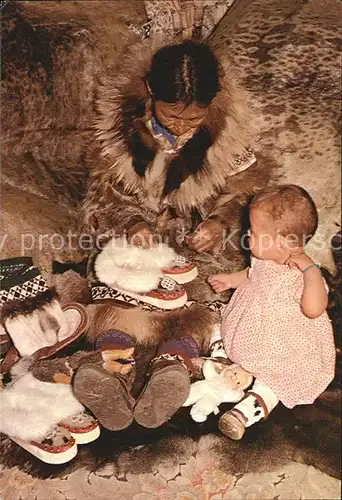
column 103, row 292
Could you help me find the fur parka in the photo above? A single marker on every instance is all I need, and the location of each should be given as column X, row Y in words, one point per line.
column 208, row 176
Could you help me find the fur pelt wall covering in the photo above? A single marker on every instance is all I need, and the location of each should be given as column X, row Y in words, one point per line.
column 300, row 102
column 52, row 56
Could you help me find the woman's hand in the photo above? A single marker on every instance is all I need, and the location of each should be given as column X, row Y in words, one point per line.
column 141, row 236
column 208, row 235
column 224, row 281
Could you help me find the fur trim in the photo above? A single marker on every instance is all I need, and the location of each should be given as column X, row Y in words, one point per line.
column 131, row 268
column 148, row 328
column 30, row 408
column 22, row 366
column 14, row 308
column 43, row 327
column 71, row 287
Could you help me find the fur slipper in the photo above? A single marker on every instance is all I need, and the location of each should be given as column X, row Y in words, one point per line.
column 131, row 268
column 33, row 321
column 139, row 269
column 56, row 447
column 73, row 322
column 182, row 270
column 31, row 411
column 132, row 275
column 31, row 408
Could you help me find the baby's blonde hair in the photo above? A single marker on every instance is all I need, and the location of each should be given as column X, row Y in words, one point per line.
column 291, row 208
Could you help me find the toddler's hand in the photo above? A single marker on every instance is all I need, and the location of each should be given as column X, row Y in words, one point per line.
column 299, row 261
column 221, row 282
column 224, row 281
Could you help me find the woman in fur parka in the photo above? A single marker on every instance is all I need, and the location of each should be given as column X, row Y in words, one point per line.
column 172, row 157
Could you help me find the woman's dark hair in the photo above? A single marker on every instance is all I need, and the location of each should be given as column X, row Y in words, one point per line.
column 187, row 72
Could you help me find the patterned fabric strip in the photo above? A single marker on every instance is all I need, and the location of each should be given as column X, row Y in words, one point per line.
column 16, row 271
column 168, row 357
column 103, row 292
column 20, row 279
column 244, row 161
column 21, row 292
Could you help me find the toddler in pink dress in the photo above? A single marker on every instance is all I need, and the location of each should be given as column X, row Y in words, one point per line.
column 275, row 325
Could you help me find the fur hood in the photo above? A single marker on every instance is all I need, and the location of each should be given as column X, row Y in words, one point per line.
column 121, row 112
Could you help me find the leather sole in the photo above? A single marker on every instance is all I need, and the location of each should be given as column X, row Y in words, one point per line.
column 49, row 457
column 105, row 395
column 165, row 392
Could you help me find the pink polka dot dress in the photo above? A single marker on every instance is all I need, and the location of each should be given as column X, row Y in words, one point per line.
column 265, row 331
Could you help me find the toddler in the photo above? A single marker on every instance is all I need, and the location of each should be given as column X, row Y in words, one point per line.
column 275, row 325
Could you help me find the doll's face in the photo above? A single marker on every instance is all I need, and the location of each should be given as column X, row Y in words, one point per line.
column 237, row 378
column 177, row 118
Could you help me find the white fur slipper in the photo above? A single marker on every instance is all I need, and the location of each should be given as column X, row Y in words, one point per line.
column 140, row 269
column 135, row 273
column 34, row 323
column 167, row 295
column 56, row 447
column 72, row 321
column 31, row 408
column 31, row 411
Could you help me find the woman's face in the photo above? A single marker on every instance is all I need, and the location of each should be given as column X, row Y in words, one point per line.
column 177, row 118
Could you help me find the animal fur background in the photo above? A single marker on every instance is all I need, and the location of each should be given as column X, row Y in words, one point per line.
column 51, row 57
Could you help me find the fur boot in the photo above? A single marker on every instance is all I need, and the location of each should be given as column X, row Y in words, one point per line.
column 30, row 408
